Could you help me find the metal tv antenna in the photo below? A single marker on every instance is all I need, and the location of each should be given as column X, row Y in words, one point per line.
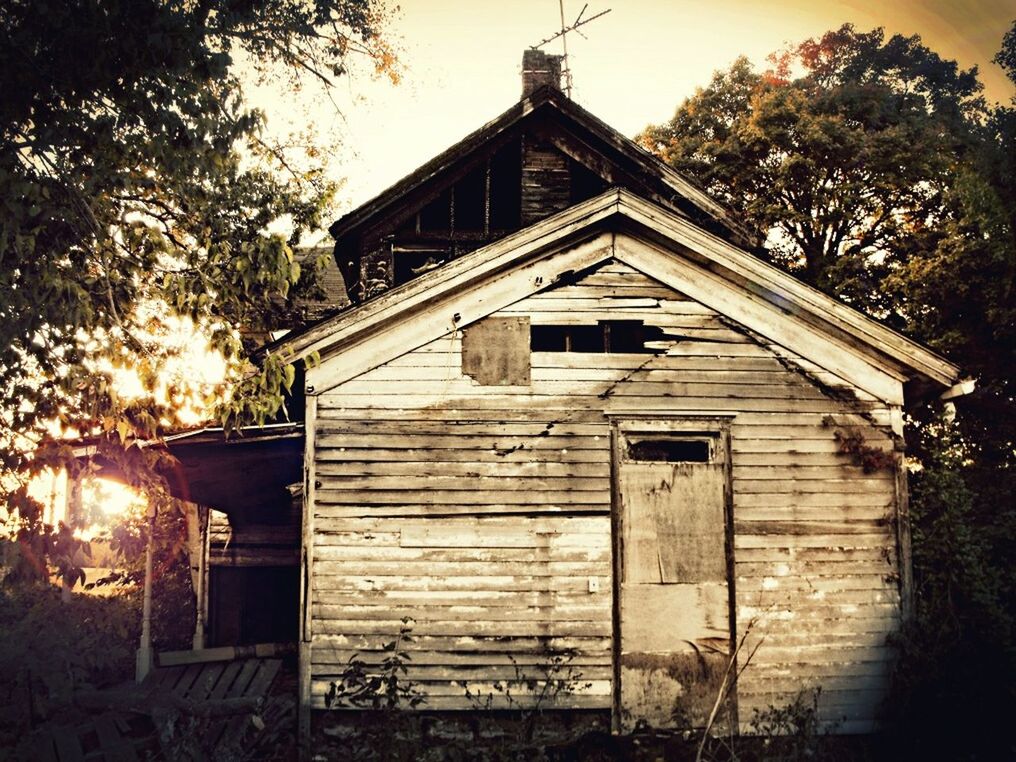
column 563, row 34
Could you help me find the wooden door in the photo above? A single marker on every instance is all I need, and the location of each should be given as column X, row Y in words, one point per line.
column 673, row 562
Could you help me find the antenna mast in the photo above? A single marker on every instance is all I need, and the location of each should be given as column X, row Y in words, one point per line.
column 563, row 34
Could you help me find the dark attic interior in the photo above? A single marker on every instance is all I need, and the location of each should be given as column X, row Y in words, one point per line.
column 540, row 157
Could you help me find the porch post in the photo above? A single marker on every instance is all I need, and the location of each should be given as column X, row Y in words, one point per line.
column 143, row 665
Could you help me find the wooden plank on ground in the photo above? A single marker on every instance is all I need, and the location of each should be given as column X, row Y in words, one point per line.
column 114, row 747
column 161, row 678
column 258, row 687
column 262, row 681
column 44, row 750
column 225, row 681
column 239, row 687
column 68, row 747
column 206, row 681
column 183, row 685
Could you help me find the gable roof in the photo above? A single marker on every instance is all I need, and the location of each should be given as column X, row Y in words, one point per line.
column 677, row 253
column 600, row 145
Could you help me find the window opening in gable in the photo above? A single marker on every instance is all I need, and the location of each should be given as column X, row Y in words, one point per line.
column 584, row 183
column 470, row 200
column 412, row 261
column 668, row 450
column 606, row 337
column 506, row 187
column 437, row 215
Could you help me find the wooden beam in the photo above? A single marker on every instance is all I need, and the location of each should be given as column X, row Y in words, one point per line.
column 307, row 573
column 903, row 541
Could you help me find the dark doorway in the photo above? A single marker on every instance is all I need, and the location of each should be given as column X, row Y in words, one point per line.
column 251, row 605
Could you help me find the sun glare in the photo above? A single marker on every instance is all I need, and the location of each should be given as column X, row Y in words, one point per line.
column 103, row 501
column 110, row 499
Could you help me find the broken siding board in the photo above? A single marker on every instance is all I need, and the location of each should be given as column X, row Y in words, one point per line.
column 470, row 660
column 458, row 700
column 460, row 309
column 486, row 599
column 307, row 584
column 450, row 510
column 351, row 582
column 641, row 385
column 432, row 676
column 495, row 479
column 477, row 568
column 619, row 402
column 551, row 612
column 837, row 356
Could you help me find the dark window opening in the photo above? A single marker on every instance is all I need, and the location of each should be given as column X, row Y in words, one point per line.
column 407, row 228
column 606, row 337
column 506, row 187
column 415, row 262
column 585, row 183
column 470, row 194
column 669, row 450
column 250, row 605
column 437, row 215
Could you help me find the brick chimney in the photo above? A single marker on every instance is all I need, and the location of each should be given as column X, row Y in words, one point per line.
column 539, row 69
column 546, row 176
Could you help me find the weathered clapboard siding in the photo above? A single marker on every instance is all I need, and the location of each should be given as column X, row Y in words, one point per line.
column 414, row 448
column 485, row 596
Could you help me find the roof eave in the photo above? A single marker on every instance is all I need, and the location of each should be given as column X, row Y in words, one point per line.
column 765, row 280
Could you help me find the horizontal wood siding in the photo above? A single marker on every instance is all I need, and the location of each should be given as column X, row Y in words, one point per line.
column 255, row 544
column 488, row 598
column 483, row 512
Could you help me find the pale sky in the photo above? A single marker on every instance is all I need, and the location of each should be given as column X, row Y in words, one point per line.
column 462, row 61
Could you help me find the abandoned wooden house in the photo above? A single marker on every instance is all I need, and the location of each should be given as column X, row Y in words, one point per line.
column 569, row 412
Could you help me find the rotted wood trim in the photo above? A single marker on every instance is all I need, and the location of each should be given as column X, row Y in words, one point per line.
column 615, row 587
column 307, row 571
column 857, row 340
column 761, row 316
column 903, row 539
column 796, row 297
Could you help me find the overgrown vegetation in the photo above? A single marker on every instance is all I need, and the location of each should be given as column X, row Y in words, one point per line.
column 145, row 201
column 519, row 718
column 525, row 697
column 382, row 687
column 50, row 648
column 958, row 654
column 53, row 645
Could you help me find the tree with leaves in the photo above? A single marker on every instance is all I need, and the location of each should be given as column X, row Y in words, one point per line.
column 833, row 153
column 874, row 170
column 138, row 194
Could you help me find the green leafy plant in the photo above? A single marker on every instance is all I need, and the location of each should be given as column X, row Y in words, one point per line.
column 382, row 687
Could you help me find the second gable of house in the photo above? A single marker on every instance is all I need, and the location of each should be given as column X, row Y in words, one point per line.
column 543, row 155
